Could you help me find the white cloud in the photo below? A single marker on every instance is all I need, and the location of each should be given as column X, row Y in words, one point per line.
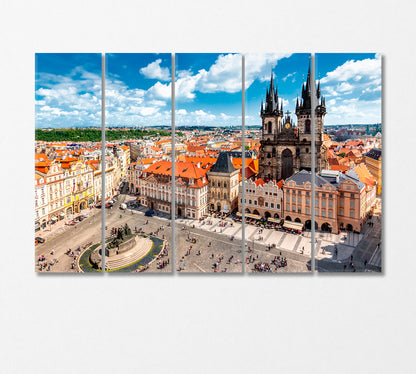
column 288, row 76
column 367, row 68
column 258, row 65
column 155, row 71
column 355, row 91
column 225, row 116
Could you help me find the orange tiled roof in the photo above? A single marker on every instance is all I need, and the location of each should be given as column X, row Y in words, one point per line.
column 364, row 175
column 259, row 182
column 182, row 170
column 342, row 168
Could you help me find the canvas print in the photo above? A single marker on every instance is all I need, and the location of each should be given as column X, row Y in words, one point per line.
column 349, row 182
column 138, row 163
column 67, row 160
column 208, row 163
column 277, row 200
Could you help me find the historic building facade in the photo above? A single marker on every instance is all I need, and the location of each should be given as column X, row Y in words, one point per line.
column 223, row 185
column 284, row 147
column 341, row 201
column 191, row 189
column 373, row 161
column 264, row 199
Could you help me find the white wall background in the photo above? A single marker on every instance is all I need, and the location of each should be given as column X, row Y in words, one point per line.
column 193, row 324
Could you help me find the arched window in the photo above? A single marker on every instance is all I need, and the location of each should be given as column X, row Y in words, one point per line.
column 308, row 125
column 269, row 130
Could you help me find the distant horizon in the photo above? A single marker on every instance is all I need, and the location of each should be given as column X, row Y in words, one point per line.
column 141, row 127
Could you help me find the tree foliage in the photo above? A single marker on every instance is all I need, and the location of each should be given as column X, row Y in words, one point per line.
column 94, row 135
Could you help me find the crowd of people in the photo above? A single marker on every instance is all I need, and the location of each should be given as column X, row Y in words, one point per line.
column 277, row 262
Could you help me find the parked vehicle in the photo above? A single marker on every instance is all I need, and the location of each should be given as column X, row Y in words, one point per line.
column 123, row 206
column 39, row 240
column 149, row 213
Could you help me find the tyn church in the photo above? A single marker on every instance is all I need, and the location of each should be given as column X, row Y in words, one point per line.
column 286, row 148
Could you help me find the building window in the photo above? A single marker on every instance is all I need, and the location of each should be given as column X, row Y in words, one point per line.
column 249, row 201
column 293, row 199
column 323, row 213
column 255, row 202
column 352, row 214
column 316, row 212
column 323, row 203
column 271, row 205
column 277, row 206
column 316, row 202
column 293, row 209
column 287, row 198
column 352, row 196
column 307, row 210
column 299, row 200
column 341, row 202
column 352, row 203
column 266, row 204
column 307, row 201
column 299, row 210
column 330, row 214
column 288, row 207
column 341, row 212
column 330, row 196
column 330, row 203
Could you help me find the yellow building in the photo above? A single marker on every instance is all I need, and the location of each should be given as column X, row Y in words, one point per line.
column 372, row 160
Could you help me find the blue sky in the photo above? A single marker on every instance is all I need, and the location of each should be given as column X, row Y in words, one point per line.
column 351, row 83
column 67, row 90
column 208, row 87
column 138, row 89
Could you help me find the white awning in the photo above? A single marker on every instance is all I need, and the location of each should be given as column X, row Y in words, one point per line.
column 276, row 220
column 253, row 216
column 293, row 225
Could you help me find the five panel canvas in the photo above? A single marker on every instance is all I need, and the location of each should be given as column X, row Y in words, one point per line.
column 208, row 163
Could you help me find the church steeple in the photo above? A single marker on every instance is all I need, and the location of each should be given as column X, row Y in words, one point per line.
column 272, row 98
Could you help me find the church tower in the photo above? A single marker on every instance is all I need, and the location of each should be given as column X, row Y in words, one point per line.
column 271, row 113
column 303, row 113
column 284, row 147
